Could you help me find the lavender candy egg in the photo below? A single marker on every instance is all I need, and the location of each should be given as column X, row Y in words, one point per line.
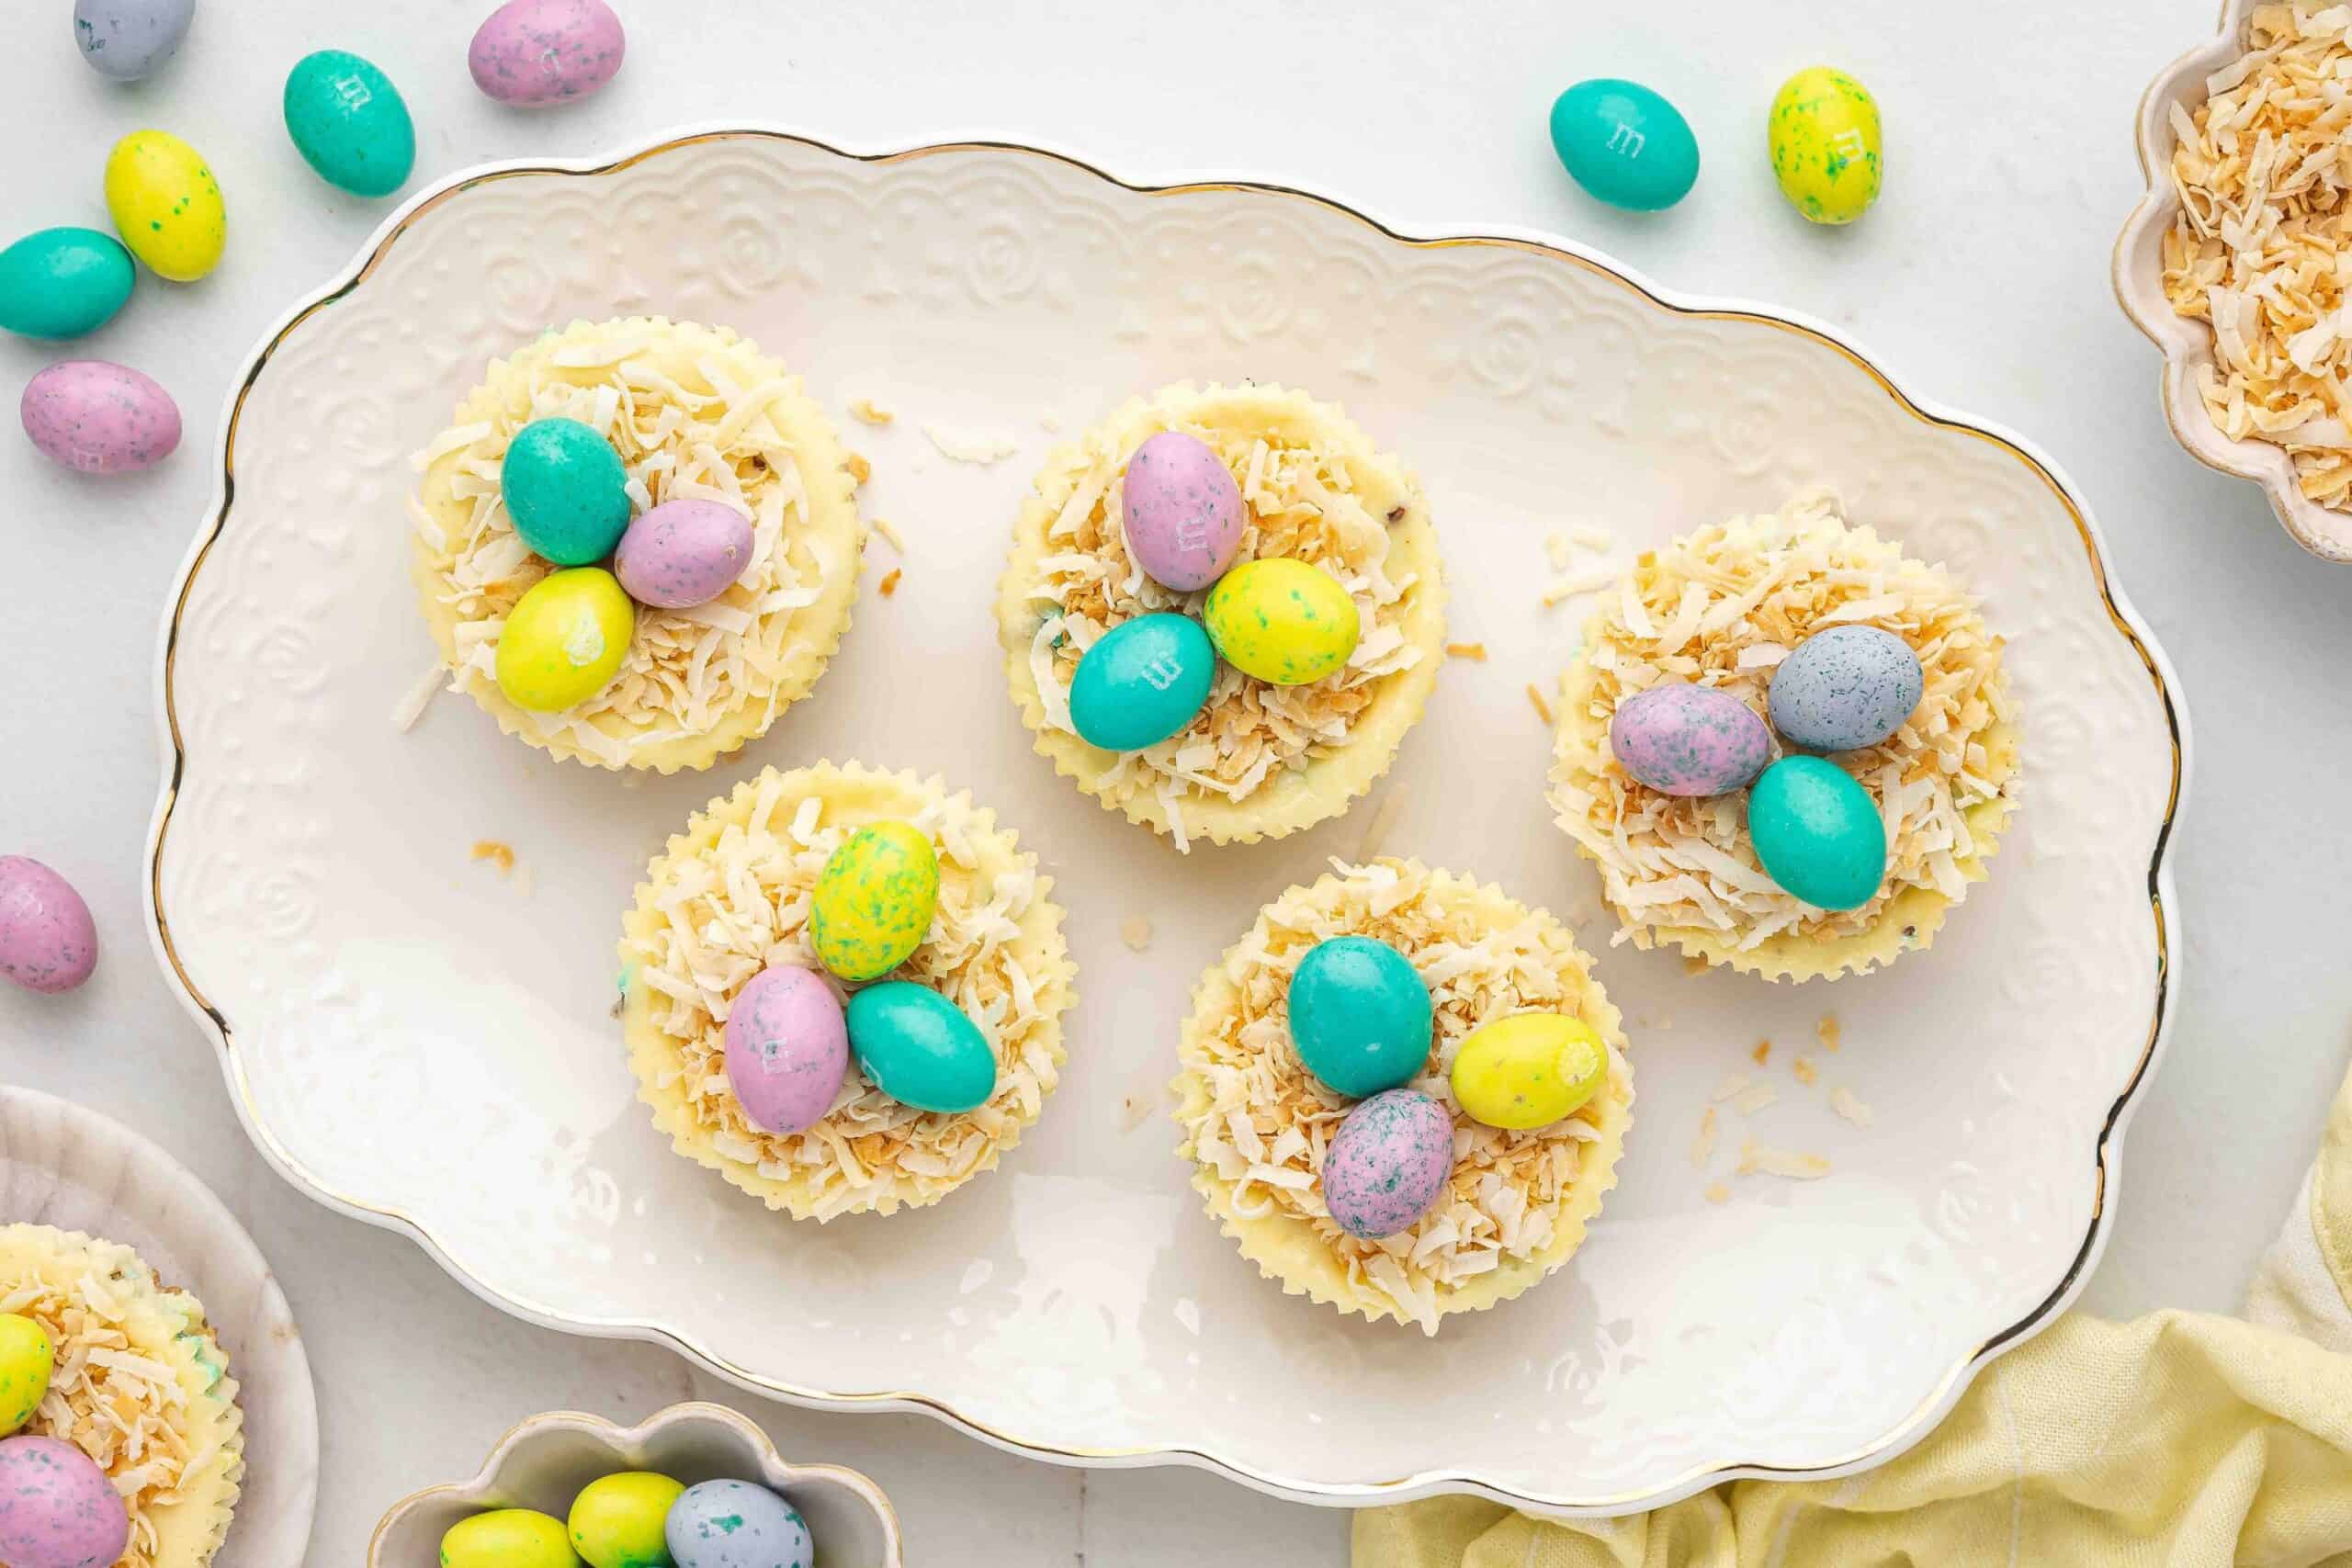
column 683, row 552
column 57, row 1507
column 546, row 51
column 1387, row 1163
column 1692, row 740
column 1184, row 514
column 47, row 941
column 787, row 1048
column 99, row 418
column 1846, row 688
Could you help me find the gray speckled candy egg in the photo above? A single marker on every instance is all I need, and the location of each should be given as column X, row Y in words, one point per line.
column 733, row 1524
column 129, row 39
column 1846, row 688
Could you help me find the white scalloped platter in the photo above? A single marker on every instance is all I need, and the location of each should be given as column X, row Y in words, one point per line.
column 422, row 1042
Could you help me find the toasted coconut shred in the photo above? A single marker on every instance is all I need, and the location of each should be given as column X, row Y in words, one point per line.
column 1722, row 607
column 2263, row 244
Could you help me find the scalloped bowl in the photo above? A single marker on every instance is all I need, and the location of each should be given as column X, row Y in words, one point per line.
column 545, row 1461
column 2187, row 343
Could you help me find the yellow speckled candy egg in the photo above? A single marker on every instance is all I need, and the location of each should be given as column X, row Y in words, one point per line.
column 1281, row 620
column 1529, row 1070
column 616, row 1521
column 1826, row 150
column 564, row 640
column 27, row 1359
column 874, row 900
column 167, row 205
column 508, row 1538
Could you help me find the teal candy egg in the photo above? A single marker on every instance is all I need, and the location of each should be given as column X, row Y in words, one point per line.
column 1142, row 681
column 62, row 283
column 1359, row 1016
column 1817, row 832
column 1624, row 143
column 349, row 123
column 919, row 1048
column 566, row 490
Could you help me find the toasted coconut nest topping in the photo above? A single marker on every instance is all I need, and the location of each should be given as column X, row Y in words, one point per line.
column 1722, row 607
column 1266, row 1121
column 2263, row 244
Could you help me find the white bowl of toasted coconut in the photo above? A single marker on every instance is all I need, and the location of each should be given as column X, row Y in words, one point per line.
column 2234, row 262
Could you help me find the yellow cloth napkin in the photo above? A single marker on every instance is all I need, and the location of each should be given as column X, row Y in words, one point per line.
column 2179, row 1439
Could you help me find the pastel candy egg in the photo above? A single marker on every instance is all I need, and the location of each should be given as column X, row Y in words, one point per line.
column 787, row 1048
column 616, row 1520
column 508, row 1538
column 733, row 1524
column 167, row 205
column 349, row 123
column 546, row 51
column 57, row 1509
column 874, row 900
column 130, row 38
column 99, row 418
column 1846, row 688
column 919, row 1049
column 1684, row 739
column 1624, row 143
column 27, row 1358
column 565, row 491
column 1826, row 148
column 1281, row 620
column 1142, row 681
column 47, row 941
column 1817, row 832
column 1528, row 1070
column 564, row 640
column 1360, row 1017
column 1183, row 510
column 62, row 283
column 1387, row 1163
column 683, row 553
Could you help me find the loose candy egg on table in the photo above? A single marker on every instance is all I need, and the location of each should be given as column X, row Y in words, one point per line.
column 566, row 490
column 1817, row 832
column 508, row 1538
column 130, row 38
column 1387, row 1163
column 564, row 640
column 1689, row 741
column 27, row 1358
column 1360, row 1016
column 1827, row 151
column 683, row 553
column 167, row 205
column 1183, row 511
column 47, row 941
column 920, row 1048
column 1846, row 688
column 531, row 52
column 617, row 1519
column 99, row 418
column 1281, row 620
column 1624, row 143
column 349, row 123
column 1528, row 1070
column 733, row 1524
column 57, row 1509
column 61, row 283
column 874, row 900
column 1142, row 681
column 787, row 1048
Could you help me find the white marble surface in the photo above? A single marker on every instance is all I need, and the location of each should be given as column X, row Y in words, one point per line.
column 1981, row 279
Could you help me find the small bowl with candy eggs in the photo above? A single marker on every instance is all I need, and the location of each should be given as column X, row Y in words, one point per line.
column 696, row 1485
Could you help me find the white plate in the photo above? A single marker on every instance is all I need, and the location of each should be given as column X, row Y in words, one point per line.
column 416, row 1041
column 63, row 1165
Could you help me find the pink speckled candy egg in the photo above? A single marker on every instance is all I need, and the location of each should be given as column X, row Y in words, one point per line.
column 683, row 553
column 57, row 1509
column 1184, row 511
column 100, row 418
column 1387, row 1163
column 47, row 939
column 787, row 1048
column 1684, row 739
column 546, row 51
